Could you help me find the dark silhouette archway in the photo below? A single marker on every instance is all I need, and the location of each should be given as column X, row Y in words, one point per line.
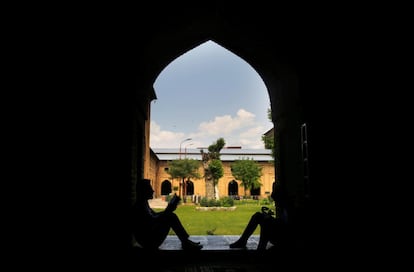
column 296, row 65
column 278, row 73
column 311, row 63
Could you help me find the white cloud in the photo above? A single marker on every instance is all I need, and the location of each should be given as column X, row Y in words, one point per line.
column 240, row 130
column 163, row 138
column 225, row 125
column 252, row 138
column 252, row 132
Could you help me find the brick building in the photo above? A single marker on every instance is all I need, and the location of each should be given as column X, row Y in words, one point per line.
column 227, row 185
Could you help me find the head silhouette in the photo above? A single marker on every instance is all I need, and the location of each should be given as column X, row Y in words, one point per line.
column 144, row 189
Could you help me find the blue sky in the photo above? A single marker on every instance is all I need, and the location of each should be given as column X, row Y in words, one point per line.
column 205, row 94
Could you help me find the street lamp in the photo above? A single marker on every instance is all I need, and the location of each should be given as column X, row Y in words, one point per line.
column 188, row 139
column 185, row 150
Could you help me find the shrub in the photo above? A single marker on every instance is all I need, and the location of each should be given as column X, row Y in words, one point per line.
column 227, row 202
column 213, row 203
column 223, row 202
column 265, row 201
column 204, row 202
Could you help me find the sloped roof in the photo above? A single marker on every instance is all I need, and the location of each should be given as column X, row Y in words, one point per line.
column 231, row 154
column 270, row 133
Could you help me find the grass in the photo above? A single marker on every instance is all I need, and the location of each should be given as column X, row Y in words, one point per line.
column 217, row 222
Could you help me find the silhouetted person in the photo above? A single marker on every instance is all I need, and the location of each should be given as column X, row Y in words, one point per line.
column 271, row 227
column 150, row 228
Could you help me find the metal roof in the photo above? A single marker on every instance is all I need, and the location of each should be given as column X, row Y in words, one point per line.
column 230, row 154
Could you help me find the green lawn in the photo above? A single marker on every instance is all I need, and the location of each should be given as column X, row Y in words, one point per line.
column 217, row 222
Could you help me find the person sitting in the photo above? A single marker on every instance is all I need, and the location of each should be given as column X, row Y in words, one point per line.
column 271, row 227
column 151, row 228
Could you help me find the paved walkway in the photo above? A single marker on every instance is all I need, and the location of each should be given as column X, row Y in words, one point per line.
column 157, row 203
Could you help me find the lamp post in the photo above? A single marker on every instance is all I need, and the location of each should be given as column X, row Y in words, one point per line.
column 182, row 182
column 188, row 139
column 185, row 150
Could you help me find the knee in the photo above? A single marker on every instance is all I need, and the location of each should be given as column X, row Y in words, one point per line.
column 257, row 217
column 171, row 216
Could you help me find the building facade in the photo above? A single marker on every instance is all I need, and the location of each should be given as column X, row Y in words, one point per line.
column 227, row 185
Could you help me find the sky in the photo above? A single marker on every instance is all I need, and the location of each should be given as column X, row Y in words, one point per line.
column 206, row 94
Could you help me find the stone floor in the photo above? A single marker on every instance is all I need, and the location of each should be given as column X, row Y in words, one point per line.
column 211, row 242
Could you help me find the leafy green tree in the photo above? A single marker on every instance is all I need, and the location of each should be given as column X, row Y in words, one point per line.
column 213, row 173
column 269, row 141
column 183, row 169
column 216, row 170
column 248, row 172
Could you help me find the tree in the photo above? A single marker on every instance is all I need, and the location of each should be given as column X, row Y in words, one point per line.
column 216, row 169
column 212, row 173
column 183, row 169
column 248, row 172
column 269, row 141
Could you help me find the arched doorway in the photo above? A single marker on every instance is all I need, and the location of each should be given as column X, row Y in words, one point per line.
column 189, row 187
column 255, row 192
column 233, row 189
column 166, row 187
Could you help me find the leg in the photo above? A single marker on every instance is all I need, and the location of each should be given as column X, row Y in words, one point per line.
column 153, row 235
column 270, row 231
column 255, row 220
column 175, row 223
column 265, row 232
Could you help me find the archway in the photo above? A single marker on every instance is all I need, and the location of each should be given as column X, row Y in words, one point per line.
column 166, row 187
column 189, row 187
column 233, row 189
column 272, row 61
column 280, row 79
column 255, row 192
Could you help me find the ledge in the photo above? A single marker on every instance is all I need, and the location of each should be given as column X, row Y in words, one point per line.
column 211, row 242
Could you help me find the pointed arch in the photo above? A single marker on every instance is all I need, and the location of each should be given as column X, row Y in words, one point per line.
column 233, row 188
column 166, row 187
column 255, row 192
column 189, row 187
